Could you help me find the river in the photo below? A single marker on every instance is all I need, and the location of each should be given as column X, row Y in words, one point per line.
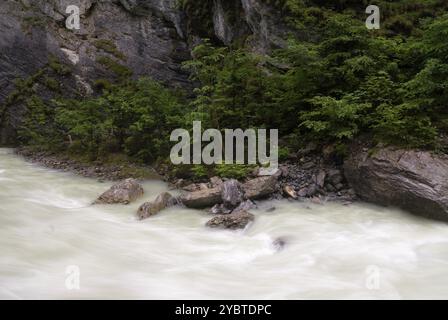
column 332, row 251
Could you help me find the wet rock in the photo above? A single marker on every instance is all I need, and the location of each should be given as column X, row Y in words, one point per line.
column 220, row 209
column 245, row 206
column 201, row 198
column 416, row 181
column 232, row 194
column 279, row 244
column 232, row 221
column 123, row 192
column 290, row 192
column 152, row 208
column 317, row 200
column 260, row 187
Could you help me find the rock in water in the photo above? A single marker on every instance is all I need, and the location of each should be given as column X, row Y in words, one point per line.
column 202, row 198
column 232, row 221
column 149, row 209
column 416, row 181
column 220, row 209
column 290, row 192
column 245, row 206
column 260, row 187
column 123, row 192
column 232, row 194
column 279, row 244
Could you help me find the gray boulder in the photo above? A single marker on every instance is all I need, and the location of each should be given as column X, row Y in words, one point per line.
column 232, row 221
column 416, row 181
column 245, row 206
column 232, row 194
column 260, row 187
column 123, row 192
column 201, row 198
column 152, row 208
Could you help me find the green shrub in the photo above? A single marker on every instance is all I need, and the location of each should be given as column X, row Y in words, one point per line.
column 235, row 171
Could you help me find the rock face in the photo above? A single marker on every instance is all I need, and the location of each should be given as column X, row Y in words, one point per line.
column 202, row 198
column 124, row 192
column 412, row 180
column 232, row 221
column 260, row 187
column 149, row 209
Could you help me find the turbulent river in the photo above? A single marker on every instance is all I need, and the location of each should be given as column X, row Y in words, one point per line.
column 331, row 251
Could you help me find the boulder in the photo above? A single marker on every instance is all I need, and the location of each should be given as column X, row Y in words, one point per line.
column 416, row 181
column 202, row 198
column 260, row 187
column 149, row 209
column 123, row 192
column 245, row 206
column 238, row 220
column 231, row 194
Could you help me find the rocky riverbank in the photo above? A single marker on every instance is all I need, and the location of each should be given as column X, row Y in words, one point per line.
column 410, row 179
column 102, row 171
column 306, row 174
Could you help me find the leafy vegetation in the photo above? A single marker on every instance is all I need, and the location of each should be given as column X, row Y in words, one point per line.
column 333, row 82
column 134, row 119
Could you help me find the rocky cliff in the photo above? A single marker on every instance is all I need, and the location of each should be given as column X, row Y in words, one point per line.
column 138, row 37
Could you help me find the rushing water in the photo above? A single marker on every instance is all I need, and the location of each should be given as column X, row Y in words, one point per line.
column 332, row 251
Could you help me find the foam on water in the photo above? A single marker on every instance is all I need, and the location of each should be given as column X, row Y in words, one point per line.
column 48, row 224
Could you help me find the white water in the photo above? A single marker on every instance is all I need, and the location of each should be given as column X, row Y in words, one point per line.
column 46, row 225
